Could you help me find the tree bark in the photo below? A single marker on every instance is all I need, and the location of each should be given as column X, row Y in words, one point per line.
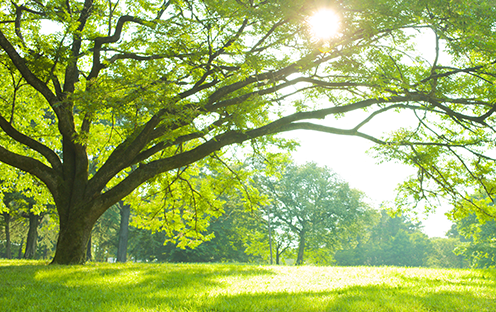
column 88, row 250
column 123, row 233
column 301, row 248
column 45, row 252
column 270, row 240
column 19, row 254
column 32, row 239
column 8, row 252
column 74, row 235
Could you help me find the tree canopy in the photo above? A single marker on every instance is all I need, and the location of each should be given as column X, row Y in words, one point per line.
column 480, row 246
column 314, row 206
column 388, row 241
column 147, row 93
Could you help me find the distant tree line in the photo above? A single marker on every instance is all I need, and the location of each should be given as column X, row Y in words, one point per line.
column 311, row 216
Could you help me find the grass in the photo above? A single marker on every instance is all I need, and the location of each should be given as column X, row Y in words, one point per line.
column 34, row 286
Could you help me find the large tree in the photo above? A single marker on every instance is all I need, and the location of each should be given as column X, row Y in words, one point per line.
column 151, row 88
column 315, row 206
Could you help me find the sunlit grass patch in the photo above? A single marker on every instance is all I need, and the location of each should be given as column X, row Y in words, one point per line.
column 34, row 286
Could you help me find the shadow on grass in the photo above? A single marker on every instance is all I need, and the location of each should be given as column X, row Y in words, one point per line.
column 220, row 288
column 104, row 287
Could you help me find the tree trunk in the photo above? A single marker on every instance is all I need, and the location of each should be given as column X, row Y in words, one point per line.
column 45, row 252
column 8, row 252
column 74, row 235
column 19, row 254
column 123, row 233
column 88, row 250
column 270, row 239
column 277, row 256
column 301, row 248
column 32, row 239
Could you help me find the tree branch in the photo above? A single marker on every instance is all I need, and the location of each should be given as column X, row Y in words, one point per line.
column 455, row 71
column 46, row 174
column 28, row 75
column 326, row 129
column 122, row 156
column 71, row 71
column 97, row 65
column 244, row 97
column 52, row 158
column 278, row 74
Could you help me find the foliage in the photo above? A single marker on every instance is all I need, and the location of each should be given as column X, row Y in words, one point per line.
column 313, row 209
column 184, row 204
column 226, row 245
column 206, row 287
column 105, row 235
column 391, row 241
column 443, row 254
column 480, row 250
column 18, row 230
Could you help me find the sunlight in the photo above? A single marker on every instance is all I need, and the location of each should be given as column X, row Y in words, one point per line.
column 324, row 24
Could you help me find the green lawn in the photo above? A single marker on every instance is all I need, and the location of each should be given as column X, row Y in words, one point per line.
column 34, row 286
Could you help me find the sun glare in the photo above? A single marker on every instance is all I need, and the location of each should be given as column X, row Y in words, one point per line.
column 324, row 24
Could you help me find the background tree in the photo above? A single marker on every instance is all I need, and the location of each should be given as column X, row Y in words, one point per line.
column 145, row 246
column 392, row 241
column 105, row 235
column 24, row 201
column 125, row 211
column 47, row 236
column 226, row 245
column 153, row 91
column 257, row 242
column 443, row 253
column 20, row 205
column 14, row 228
column 7, row 231
column 314, row 205
column 479, row 247
column 32, row 236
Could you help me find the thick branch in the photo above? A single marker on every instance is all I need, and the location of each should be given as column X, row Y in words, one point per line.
column 136, row 57
column 163, row 145
column 147, row 171
column 122, row 156
column 46, row 174
column 458, row 116
column 26, row 73
column 52, row 158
